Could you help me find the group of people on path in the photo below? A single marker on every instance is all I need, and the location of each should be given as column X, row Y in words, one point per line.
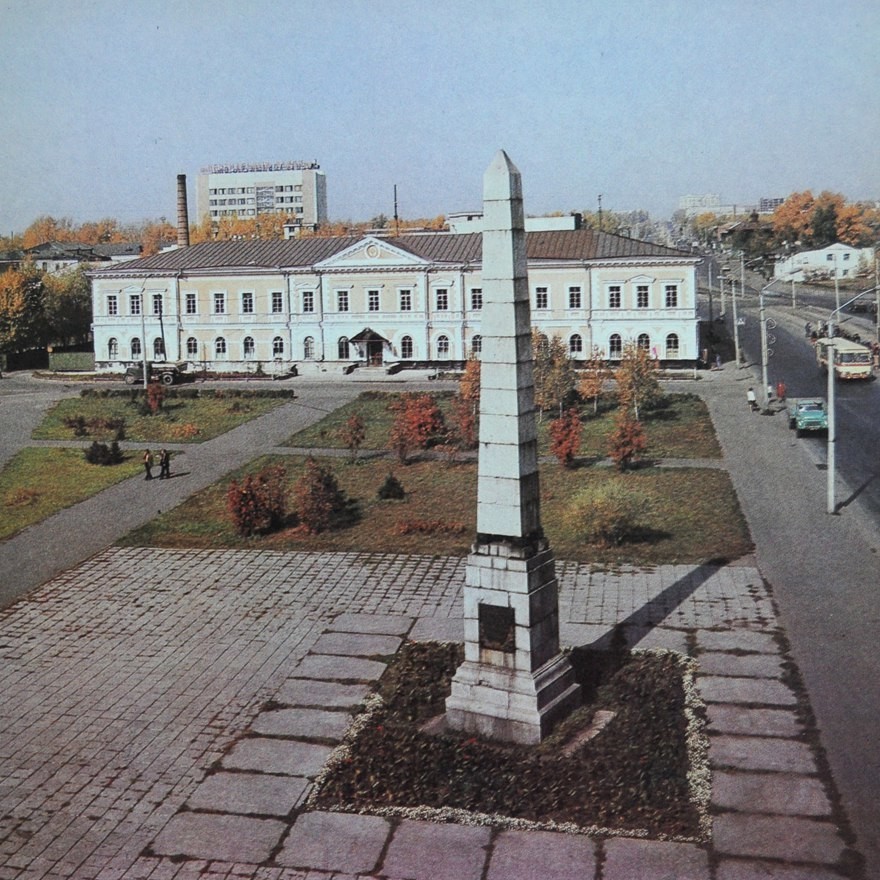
column 752, row 398
column 164, row 464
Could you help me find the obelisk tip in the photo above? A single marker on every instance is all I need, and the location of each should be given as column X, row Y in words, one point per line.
column 502, row 178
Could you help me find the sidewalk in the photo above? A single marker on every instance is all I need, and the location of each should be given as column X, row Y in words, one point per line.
column 137, row 736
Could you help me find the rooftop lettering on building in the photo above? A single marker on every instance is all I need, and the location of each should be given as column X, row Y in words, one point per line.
column 243, row 167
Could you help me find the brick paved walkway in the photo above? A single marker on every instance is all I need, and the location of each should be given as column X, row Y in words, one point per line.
column 138, row 739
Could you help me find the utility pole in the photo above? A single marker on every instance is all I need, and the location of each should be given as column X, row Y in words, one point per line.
column 832, row 431
column 600, row 212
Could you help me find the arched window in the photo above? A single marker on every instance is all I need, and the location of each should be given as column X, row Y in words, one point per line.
column 477, row 345
column 615, row 347
column 309, row 348
column 158, row 349
column 575, row 345
column 220, row 347
column 135, row 347
column 277, row 347
column 192, row 347
column 672, row 346
column 343, row 348
column 406, row 348
column 248, row 346
column 644, row 342
column 112, row 348
column 442, row 347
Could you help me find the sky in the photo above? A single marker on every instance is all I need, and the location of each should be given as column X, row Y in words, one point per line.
column 104, row 103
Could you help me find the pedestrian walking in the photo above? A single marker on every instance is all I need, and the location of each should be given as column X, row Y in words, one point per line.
column 780, row 390
column 164, row 465
column 751, row 399
column 148, row 464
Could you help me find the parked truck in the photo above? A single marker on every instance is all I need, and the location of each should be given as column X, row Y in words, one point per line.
column 807, row 415
column 166, row 372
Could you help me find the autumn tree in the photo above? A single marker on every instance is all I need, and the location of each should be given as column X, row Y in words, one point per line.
column 418, row 422
column 22, row 309
column 565, row 436
column 68, row 304
column 469, row 384
column 627, row 441
column 318, row 497
column 553, row 371
column 258, row 504
column 592, row 378
column 353, row 434
column 48, row 228
column 636, row 377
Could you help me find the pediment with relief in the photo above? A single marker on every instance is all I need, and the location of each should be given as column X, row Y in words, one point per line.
column 641, row 279
column 371, row 252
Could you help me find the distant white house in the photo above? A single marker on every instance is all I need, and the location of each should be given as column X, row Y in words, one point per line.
column 837, row 259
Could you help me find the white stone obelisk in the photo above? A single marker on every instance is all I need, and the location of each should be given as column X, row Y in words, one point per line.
column 513, row 684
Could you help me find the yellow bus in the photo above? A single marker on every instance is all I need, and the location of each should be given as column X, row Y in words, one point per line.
column 852, row 360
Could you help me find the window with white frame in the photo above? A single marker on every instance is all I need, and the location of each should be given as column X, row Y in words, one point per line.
column 476, row 298
column 406, row 300
column 341, row 300
column 442, row 299
column 135, row 347
column 247, row 302
column 615, row 346
column 615, row 298
column 158, row 349
column 277, row 302
column 191, row 304
column 406, row 348
column 671, row 296
column 373, row 300
column 219, row 303
column 112, row 304
column 248, row 347
column 342, row 347
column 157, row 304
column 442, row 347
column 112, row 348
column 644, row 342
column 542, row 299
column 575, row 344
column 642, row 298
column 308, row 301
column 134, row 304
column 309, row 348
column 220, row 347
column 277, row 347
column 574, row 297
column 477, row 345
column 192, row 347
column 672, row 345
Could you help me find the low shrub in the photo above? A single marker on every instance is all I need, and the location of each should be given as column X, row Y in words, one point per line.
column 77, row 424
column 100, row 453
column 607, row 513
column 429, row 527
column 186, row 431
column 318, row 497
column 21, row 497
column 392, row 489
column 258, row 504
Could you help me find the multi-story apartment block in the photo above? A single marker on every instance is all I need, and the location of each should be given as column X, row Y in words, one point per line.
column 227, row 305
column 297, row 190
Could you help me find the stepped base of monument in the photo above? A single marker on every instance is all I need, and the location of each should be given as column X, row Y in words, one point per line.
column 512, row 705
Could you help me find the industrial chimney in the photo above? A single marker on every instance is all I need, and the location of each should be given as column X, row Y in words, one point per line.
column 182, row 213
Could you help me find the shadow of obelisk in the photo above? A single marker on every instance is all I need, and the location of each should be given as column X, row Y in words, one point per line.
column 513, row 684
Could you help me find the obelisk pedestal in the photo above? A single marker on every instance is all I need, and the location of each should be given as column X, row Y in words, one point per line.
column 513, row 684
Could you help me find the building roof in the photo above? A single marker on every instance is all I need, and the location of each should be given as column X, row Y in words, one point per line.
column 441, row 247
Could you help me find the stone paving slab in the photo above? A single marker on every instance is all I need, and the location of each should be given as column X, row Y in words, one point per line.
column 438, row 629
column 765, row 722
column 730, row 869
column 287, row 757
column 306, row 723
column 219, row 836
column 334, row 668
column 737, row 640
column 761, row 753
column 381, row 624
column 339, row 842
column 723, row 689
column 785, row 838
column 356, row 644
column 784, row 793
column 250, row 793
column 314, row 692
column 541, row 855
column 741, row 665
column 428, row 851
column 628, row 858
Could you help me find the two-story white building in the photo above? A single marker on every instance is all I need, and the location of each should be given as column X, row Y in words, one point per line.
column 837, row 260
column 229, row 305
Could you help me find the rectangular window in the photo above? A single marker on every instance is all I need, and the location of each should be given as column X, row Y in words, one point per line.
column 671, row 296
column 247, row 303
column 341, row 300
column 373, row 300
column 846, row 256
column 190, row 305
column 308, row 300
column 277, row 302
column 442, row 300
column 157, row 304
column 642, row 296
column 614, row 299
column 406, row 300
column 829, row 257
column 219, row 303
column 574, row 297
column 134, row 304
column 476, row 298
column 112, row 304
column 541, row 298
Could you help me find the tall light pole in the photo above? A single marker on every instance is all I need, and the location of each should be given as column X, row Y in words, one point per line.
column 831, row 457
column 836, row 286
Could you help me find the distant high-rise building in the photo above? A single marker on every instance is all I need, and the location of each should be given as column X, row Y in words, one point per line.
column 768, row 206
column 297, row 190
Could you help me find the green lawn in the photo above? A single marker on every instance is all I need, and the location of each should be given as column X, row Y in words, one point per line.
column 694, row 514
column 180, row 419
column 680, row 427
column 38, row 482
